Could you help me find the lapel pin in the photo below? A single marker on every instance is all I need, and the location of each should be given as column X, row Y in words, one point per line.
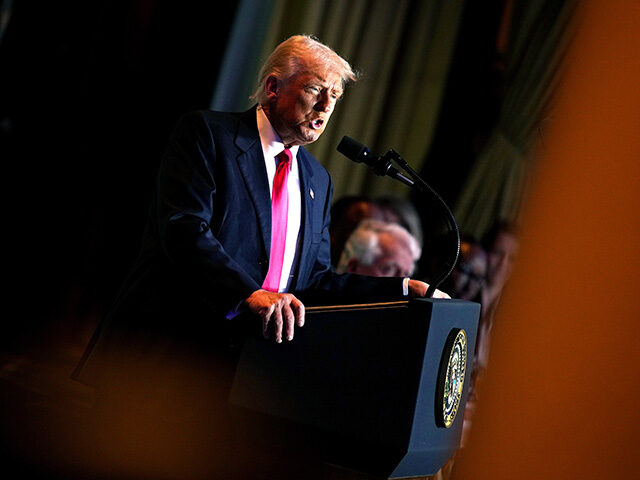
column 311, row 194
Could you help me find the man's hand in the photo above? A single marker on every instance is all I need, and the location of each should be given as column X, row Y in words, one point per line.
column 278, row 311
column 419, row 289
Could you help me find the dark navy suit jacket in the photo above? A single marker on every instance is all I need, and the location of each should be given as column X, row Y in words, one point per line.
column 207, row 240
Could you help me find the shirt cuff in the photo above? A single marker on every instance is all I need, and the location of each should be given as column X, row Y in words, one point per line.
column 405, row 286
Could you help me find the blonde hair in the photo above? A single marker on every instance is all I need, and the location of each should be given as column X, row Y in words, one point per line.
column 294, row 55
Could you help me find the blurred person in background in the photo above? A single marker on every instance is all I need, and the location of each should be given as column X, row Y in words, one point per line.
column 380, row 249
column 346, row 213
column 403, row 212
column 499, row 247
column 468, row 278
column 501, row 244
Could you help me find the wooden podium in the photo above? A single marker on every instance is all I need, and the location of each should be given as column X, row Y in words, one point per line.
column 363, row 387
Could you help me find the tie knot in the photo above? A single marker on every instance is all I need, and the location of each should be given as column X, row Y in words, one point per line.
column 284, row 156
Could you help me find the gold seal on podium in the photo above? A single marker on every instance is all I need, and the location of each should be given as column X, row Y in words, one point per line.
column 451, row 379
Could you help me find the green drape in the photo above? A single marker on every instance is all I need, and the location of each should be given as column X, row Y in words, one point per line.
column 497, row 184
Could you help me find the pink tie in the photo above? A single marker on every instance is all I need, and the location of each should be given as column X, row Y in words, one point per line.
column 279, row 214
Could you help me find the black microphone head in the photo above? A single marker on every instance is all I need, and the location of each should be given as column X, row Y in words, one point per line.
column 353, row 149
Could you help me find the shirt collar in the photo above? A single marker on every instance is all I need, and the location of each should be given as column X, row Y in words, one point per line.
column 271, row 143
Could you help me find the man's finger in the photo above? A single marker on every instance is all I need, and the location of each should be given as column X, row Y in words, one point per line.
column 266, row 319
column 289, row 319
column 298, row 310
column 277, row 322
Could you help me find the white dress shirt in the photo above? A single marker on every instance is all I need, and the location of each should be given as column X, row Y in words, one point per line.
column 271, row 147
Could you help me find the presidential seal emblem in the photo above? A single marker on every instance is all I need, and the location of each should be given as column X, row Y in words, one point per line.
column 453, row 367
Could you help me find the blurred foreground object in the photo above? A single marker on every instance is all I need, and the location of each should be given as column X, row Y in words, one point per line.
column 564, row 367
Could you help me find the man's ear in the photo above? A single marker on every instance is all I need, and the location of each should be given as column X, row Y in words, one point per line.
column 271, row 87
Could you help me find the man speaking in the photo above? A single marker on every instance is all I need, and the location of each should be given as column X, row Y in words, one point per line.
column 239, row 221
column 238, row 229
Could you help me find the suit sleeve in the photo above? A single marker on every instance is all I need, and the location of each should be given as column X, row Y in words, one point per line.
column 186, row 194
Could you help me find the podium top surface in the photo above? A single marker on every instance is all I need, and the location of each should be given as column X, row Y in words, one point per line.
column 377, row 305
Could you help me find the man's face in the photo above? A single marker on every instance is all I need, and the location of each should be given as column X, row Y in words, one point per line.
column 470, row 273
column 300, row 107
column 501, row 257
column 395, row 260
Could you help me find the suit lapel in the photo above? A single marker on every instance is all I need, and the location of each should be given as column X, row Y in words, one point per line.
column 307, row 188
column 251, row 164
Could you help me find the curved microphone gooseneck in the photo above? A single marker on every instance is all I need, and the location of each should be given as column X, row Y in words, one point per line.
column 382, row 166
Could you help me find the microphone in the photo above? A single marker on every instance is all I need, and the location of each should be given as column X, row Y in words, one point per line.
column 355, row 151
column 381, row 166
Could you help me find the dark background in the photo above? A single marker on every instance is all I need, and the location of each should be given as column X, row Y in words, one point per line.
column 89, row 92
